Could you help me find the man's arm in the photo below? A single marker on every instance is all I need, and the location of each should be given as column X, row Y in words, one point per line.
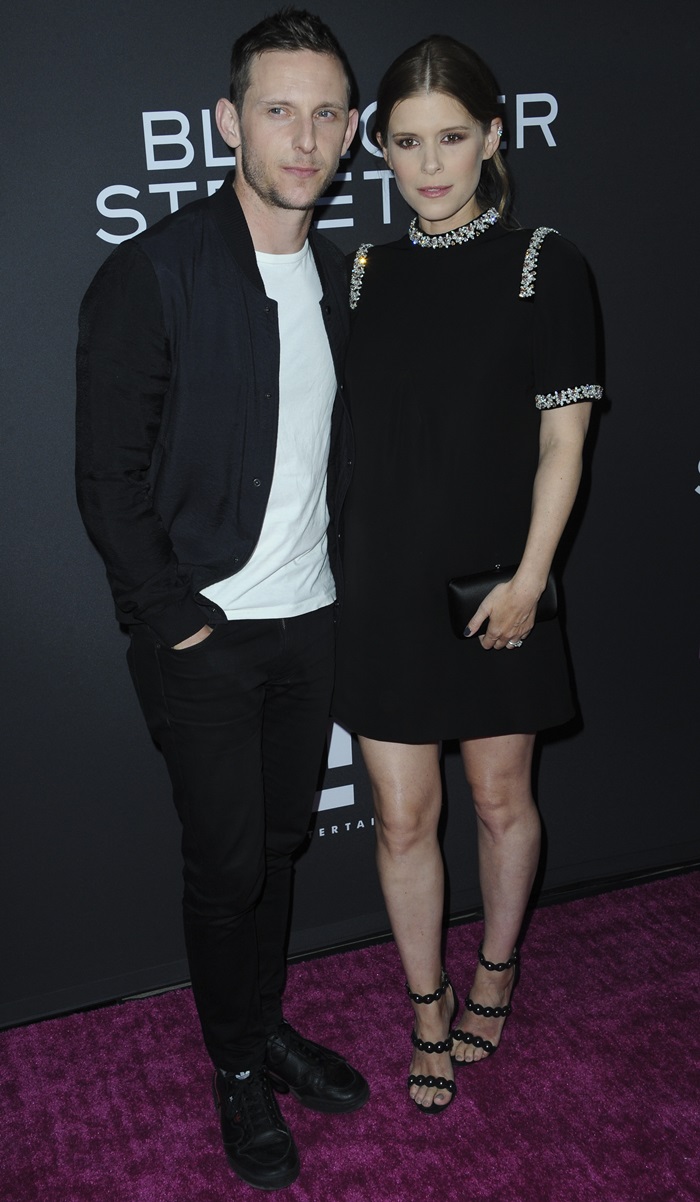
column 123, row 376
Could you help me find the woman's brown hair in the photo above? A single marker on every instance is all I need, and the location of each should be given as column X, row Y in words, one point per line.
column 442, row 64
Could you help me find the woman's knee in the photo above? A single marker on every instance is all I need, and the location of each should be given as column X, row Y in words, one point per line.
column 501, row 800
column 499, row 774
column 402, row 823
column 407, row 791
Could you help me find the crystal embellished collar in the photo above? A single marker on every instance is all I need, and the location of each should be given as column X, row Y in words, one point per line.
column 465, row 233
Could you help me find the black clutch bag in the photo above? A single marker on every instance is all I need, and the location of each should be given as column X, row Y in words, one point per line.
column 465, row 594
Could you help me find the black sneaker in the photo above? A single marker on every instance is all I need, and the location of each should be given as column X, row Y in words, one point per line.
column 257, row 1141
column 319, row 1078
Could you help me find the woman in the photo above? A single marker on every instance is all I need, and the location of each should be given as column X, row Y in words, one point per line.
column 470, row 376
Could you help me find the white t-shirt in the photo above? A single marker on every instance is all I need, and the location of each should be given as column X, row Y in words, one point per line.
column 288, row 572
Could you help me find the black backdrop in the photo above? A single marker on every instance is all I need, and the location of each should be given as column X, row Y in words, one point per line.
column 90, row 871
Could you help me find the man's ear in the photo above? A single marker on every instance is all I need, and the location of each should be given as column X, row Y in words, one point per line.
column 228, row 123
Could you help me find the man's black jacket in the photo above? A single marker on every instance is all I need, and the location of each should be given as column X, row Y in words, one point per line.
column 178, row 400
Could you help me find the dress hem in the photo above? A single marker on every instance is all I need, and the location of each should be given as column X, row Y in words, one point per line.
column 488, row 733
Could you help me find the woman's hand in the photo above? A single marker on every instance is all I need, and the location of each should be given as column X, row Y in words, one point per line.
column 510, row 608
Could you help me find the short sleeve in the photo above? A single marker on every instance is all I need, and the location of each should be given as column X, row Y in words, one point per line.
column 565, row 352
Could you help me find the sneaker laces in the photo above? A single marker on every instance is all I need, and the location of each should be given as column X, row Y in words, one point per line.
column 256, row 1103
column 294, row 1042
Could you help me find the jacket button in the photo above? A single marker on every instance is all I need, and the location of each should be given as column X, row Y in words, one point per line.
column 268, row 395
column 256, row 482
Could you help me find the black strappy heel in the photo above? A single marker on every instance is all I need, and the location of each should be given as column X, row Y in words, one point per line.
column 477, row 1041
column 425, row 1045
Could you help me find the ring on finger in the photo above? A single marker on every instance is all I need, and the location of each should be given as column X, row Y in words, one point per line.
column 514, row 643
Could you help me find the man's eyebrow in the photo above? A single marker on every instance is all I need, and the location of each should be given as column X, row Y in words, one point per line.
column 323, row 104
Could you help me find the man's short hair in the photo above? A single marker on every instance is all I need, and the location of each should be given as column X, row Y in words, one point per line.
column 288, row 29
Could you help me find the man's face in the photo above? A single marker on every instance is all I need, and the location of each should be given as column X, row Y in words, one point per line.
column 291, row 129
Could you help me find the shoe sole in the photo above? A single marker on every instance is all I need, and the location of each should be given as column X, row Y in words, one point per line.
column 435, row 1107
column 280, row 1182
column 320, row 1105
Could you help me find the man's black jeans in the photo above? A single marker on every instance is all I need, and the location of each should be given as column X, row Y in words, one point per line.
column 241, row 719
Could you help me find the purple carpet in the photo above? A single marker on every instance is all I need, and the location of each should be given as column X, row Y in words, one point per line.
column 592, row 1096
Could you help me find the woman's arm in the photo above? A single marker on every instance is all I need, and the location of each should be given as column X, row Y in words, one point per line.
column 510, row 607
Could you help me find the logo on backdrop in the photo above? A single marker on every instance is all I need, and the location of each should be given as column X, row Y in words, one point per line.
column 172, row 145
column 340, row 797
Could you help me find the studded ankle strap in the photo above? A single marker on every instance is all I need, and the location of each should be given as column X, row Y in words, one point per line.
column 431, row 1047
column 427, row 998
column 497, row 967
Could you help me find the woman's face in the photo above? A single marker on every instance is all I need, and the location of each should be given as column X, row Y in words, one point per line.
column 435, row 149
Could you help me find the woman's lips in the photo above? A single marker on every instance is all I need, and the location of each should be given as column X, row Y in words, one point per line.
column 435, row 193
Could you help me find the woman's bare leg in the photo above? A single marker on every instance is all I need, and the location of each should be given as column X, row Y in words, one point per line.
column 499, row 771
column 407, row 792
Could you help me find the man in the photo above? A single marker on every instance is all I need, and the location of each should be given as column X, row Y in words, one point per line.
column 213, row 456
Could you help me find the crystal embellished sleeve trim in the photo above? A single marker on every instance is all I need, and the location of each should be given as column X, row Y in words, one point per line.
column 569, row 396
column 532, row 254
column 358, row 272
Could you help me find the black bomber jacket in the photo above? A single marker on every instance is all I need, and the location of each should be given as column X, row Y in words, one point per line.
column 178, row 396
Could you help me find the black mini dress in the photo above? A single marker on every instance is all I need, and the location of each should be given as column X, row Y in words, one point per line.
column 454, row 352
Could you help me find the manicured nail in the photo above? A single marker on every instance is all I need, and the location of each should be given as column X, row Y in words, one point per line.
column 467, row 632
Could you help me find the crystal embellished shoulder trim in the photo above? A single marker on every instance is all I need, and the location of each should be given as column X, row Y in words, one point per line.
column 532, row 254
column 569, row 396
column 465, row 233
column 358, row 272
